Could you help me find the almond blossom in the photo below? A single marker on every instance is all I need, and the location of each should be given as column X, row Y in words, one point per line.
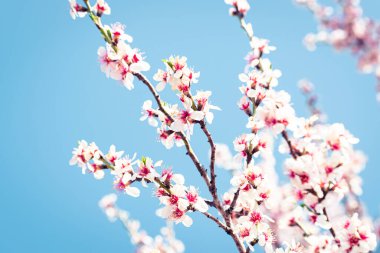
column 317, row 209
column 101, row 7
column 344, row 27
column 166, row 242
column 240, row 7
column 77, row 10
column 178, row 199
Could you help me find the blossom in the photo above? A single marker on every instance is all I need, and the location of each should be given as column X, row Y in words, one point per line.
column 254, row 227
column 345, row 28
column 202, row 104
column 112, row 156
column 292, row 247
column 146, row 169
column 101, row 7
column 122, row 65
column 355, row 236
column 168, row 138
column 161, row 77
column 240, row 7
column 167, row 176
column 177, row 215
column 107, row 203
column 117, row 31
column 195, row 200
column 124, row 182
column 77, row 10
column 259, row 47
column 338, row 137
column 83, row 154
column 149, row 113
column 178, row 74
column 176, row 206
column 186, row 117
column 251, row 178
column 164, row 242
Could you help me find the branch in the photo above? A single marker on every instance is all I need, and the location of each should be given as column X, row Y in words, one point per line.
column 234, row 201
column 190, row 151
column 295, row 153
column 156, row 96
column 213, row 188
column 331, row 229
column 228, row 230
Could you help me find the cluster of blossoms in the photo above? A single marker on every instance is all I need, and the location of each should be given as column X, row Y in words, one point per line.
column 177, row 198
column 118, row 59
column 239, row 7
column 269, row 114
column 318, row 210
column 346, row 28
column 166, row 242
column 323, row 169
column 178, row 119
column 99, row 8
column 195, row 108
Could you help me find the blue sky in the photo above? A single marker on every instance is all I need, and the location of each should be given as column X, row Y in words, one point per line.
column 53, row 94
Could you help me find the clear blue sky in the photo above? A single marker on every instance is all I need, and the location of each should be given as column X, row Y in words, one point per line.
column 53, row 93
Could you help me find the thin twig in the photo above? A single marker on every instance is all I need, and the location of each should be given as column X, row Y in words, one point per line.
column 294, row 153
column 234, row 201
column 327, row 218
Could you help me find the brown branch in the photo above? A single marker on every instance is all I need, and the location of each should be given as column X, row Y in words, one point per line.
column 228, row 230
column 297, row 224
column 294, row 153
column 190, row 152
column 216, row 220
column 331, row 229
column 213, row 188
column 233, row 203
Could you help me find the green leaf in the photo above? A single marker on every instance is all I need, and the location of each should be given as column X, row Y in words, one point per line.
column 109, row 34
column 168, row 62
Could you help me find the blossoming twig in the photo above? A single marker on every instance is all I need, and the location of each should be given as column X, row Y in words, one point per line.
column 322, row 167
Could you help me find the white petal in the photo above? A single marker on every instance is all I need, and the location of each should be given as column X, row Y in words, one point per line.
column 144, row 117
column 183, row 204
column 251, row 93
column 197, row 115
column 209, row 117
column 128, row 81
column 243, row 77
column 144, row 66
column 161, row 86
column 132, row 191
column 214, row 107
column 177, row 126
column 158, row 163
column 102, row 51
column 178, row 179
column 152, row 122
column 99, row 174
column 201, row 205
column 187, row 221
column 168, row 143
